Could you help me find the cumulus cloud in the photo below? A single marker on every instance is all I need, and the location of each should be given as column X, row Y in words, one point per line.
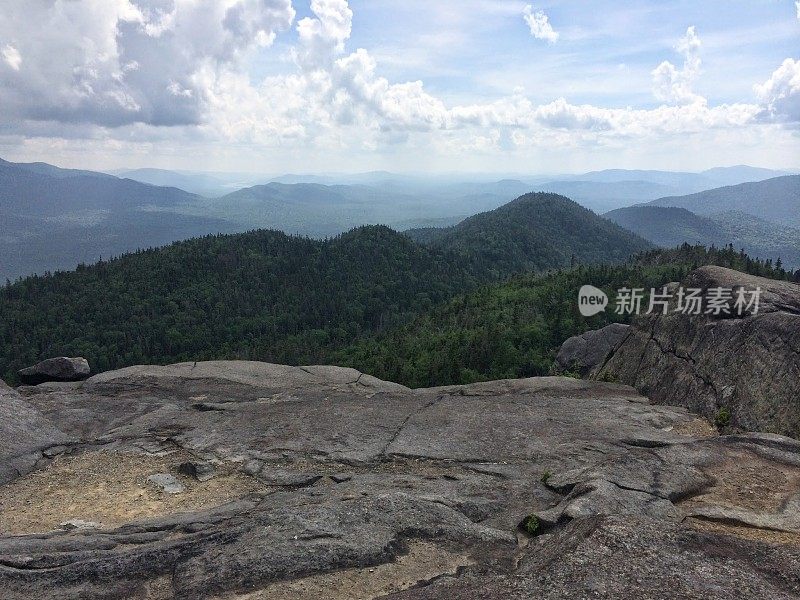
column 540, row 25
column 12, row 56
column 115, row 62
column 674, row 85
column 130, row 67
column 797, row 8
column 323, row 36
column 780, row 94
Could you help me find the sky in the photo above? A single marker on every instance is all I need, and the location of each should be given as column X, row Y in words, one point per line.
column 277, row 86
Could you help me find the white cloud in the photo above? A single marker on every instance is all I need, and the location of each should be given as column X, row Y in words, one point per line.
column 673, row 85
column 125, row 69
column 797, row 8
column 323, row 36
column 12, row 56
column 540, row 25
column 780, row 94
column 114, row 62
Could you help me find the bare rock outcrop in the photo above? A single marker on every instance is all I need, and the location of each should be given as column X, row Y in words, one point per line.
column 329, row 483
column 24, row 433
column 742, row 370
column 582, row 353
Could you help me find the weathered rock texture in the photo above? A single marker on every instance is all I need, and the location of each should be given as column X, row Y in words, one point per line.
column 582, row 353
column 24, row 433
column 331, row 484
column 748, row 365
column 55, row 369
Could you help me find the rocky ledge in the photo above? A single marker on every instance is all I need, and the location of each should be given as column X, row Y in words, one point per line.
column 741, row 371
column 234, row 480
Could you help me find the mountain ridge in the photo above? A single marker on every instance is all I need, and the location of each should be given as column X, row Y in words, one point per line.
column 534, row 232
column 776, row 199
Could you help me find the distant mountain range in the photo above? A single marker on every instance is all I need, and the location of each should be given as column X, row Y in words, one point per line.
column 776, row 200
column 210, row 185
column 616, row 188
column 599, row 190
column 760, row 218
column 37, row 190
column 57, row 218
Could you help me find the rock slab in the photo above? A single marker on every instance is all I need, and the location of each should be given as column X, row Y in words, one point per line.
column 742, row 371
column 346, row 473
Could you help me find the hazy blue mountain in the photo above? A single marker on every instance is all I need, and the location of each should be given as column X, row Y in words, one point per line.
column 714, row 177
column 50, row 212
column 761, row 238
column 603, row 196
column 46, row 169
column 776, row 200
column 671, row 226
column 57, row 218
column 40, row 191
column 668, row 226
column 675, row 179
column 196, row 183
column 324, row 210
column 741, row 174
column 368, row 178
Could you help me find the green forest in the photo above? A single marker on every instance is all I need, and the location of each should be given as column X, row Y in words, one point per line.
column 374, row 299
column 515, row 328
column 261, row 295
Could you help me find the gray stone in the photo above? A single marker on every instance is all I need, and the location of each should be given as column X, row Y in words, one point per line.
column 79, row 524
column 200, row 470
column 55, row 369
column 24, row 433
column 167, row 483
column 582, row 353
column 748, row 365
column 287, row 477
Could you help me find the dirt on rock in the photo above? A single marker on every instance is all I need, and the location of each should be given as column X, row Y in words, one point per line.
column 110, row 488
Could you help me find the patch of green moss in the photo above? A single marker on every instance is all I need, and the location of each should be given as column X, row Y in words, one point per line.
column 723, row 417
column 531, row 524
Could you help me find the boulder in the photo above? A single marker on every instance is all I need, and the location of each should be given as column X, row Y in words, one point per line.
column 582, row 353
column 739, row 370
column 56, row 369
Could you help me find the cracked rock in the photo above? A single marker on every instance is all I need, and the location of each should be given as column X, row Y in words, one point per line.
column 635, row 502
column 748, row 365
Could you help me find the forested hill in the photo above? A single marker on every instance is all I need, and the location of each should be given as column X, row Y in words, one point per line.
column 270, row 296
column 670, row 226
column 262, row 294
column 535, row 232
column 38, row 189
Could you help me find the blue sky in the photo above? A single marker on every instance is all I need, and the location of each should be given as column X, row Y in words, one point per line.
column 331, row 85
column 604, row 55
